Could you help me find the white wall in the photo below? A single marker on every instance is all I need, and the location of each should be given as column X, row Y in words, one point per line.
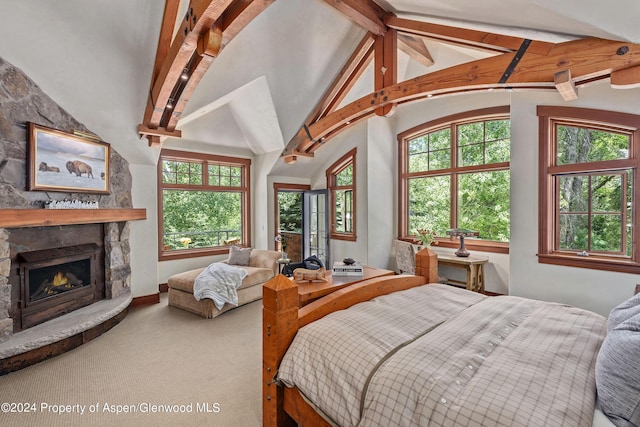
column 338, row 147
column 413, row 114
column 144, row 234
column 594, row 290
column 262, row 192
column 381, row 188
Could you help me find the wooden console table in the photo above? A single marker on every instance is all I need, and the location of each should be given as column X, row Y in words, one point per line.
column 473, row 264
column 308, row 292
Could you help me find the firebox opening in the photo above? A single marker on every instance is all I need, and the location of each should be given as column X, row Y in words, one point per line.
column 54, row 280
column 57, row 281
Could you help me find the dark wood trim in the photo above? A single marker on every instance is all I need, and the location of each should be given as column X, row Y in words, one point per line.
column 637, row 291
column 474, row 245
column 548, row 197
column 590, row 262
column 457, row 118
column 492, row 294
column 451, row 121
column 19, row 218
column 163, row 288
column 145, row 300
column 338, row 166
column 31, row 357
column 244, row 189
column 277, row 187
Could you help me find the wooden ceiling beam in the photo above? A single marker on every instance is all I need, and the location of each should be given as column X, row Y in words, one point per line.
column 342, row 84
column 238, row 15
column 565, row 86
column 463, row 37
column 365, row 13
column 385, row 69
column 166, row 34
column 347, row 77
column 207, row 27
column 626, row 78
column 200, row 17
column 414, row 47
column 588, row 59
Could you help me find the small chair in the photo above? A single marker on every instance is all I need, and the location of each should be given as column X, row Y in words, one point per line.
column 405, row 257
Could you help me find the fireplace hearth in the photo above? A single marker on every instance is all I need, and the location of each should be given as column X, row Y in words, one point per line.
column 56, row 270
column 57, row 281
column 87, row 249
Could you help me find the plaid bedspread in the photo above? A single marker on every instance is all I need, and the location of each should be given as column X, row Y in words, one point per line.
column 436, row 355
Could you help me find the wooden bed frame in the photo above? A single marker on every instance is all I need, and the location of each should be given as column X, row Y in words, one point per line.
column 281, row 319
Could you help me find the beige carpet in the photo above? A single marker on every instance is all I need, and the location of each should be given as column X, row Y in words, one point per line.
column 157, row 359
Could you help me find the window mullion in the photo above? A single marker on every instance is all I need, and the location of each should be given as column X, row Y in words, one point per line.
column 453, row 222
column 590, row 214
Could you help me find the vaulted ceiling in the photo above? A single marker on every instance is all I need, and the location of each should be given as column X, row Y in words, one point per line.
column 279, row 59
column 476, row 46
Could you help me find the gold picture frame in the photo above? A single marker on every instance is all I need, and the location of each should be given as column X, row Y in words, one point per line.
column 60, row 161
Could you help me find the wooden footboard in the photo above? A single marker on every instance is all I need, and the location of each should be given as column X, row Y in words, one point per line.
column 280, row 322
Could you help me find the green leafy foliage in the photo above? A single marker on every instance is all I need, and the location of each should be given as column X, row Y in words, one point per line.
column 592, row 205
column 207, row 218
column 482, row 197
column 484, row 204
column 290, row 205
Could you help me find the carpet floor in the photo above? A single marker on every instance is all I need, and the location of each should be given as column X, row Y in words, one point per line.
column 160, row 366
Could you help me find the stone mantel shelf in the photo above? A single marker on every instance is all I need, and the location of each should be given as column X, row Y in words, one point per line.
column 18, row 218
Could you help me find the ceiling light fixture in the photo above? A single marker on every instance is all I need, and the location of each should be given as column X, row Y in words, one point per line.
column 170, row 104
column 185, row 75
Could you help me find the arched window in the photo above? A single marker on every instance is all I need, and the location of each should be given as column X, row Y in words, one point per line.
column 454, row 173
column 341, row 182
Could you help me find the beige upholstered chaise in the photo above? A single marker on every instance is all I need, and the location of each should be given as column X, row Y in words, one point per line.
column 262, row 267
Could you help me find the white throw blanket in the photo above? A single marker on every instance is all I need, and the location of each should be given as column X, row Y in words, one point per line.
column 219, row 282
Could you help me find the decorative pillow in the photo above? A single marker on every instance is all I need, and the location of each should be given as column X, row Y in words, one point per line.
column 618, row 373
column 624, row 311
column 239, row 256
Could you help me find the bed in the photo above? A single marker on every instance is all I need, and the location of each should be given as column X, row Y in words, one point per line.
column 410, row 353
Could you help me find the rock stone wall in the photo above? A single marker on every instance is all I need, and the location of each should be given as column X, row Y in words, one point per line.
column 22, row 101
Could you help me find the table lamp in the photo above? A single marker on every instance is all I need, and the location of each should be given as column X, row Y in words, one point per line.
column 462, row 233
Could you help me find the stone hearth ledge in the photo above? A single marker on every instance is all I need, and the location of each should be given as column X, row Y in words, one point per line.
column 64, row 326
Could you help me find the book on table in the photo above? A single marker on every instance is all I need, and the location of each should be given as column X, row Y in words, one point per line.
column 342, row 269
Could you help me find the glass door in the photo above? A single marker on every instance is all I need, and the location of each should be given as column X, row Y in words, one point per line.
column 315, row 225
column 289, row 224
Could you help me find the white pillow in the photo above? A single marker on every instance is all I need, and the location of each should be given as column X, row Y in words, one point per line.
column 239, row 256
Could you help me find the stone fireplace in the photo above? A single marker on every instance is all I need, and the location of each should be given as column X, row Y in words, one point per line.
column 50, row 273
column 40, row 318
column 54, row 270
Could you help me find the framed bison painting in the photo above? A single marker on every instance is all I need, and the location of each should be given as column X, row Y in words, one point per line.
column 60, row 161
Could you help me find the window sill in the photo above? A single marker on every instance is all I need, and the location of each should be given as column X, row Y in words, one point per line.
column 192, row 253
column 592, row 262
column 347, row 237
column 473, row 245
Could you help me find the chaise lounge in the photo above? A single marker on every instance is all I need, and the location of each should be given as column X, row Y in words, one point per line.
column 262, row 267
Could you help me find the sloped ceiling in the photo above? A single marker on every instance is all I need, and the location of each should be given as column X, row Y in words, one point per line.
column 96, row 58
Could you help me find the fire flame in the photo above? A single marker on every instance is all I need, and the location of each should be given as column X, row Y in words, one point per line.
column 60, row 279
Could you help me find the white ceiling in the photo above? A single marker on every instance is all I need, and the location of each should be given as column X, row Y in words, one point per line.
column 95, row 59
